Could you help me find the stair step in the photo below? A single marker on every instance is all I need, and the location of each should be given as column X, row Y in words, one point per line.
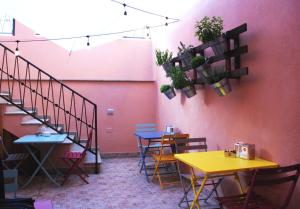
column 15, row 101
column 68, row 141
column 13, row 110
column 28, row 120
column 4, row 94
column 48, row 130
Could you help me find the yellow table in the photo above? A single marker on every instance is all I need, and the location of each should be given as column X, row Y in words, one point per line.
column 214, row 162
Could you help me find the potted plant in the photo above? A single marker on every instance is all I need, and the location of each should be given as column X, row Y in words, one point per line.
column 199, row 64
column 168, row 90
column 210, row 29
column 218, row 80
column 180, row 81
column 163, row 59
column 185, row 54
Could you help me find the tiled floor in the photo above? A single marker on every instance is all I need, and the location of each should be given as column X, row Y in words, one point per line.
column 118, row 186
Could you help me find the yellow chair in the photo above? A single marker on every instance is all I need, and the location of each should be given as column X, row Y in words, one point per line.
column 165, row 157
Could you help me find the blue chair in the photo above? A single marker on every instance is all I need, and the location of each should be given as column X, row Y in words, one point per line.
column 145, row 148
column 11, row 181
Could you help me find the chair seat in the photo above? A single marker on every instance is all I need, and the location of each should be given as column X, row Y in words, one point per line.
column 72, row 155
column 16, row 157
column 166, row 158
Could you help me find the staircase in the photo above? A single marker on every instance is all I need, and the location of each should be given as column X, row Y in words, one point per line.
column 40, row 99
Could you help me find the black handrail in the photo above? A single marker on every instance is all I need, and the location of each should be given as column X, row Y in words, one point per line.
column 57, row 101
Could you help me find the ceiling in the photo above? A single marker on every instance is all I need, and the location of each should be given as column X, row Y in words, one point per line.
column 68, row 18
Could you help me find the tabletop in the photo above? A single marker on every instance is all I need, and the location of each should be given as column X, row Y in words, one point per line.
column 151, row 134
column 41, row 139
column 213, row 162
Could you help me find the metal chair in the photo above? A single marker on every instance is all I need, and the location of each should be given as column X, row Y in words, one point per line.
column 11, row 181
column 20, row 203
column 165, row 156
column 145, row 149
column 191, row 145
column 14, row 159
column 287, row 175
column 73, row 160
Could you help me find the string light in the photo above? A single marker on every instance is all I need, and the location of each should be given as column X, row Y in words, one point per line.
column 17, row 52
column 166, row 24
column 88, row 41
column 78, row 37
column 148, row 32
column 142, row 10
column 125, row 12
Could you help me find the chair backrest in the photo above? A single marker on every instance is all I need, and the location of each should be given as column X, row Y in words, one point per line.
column 169, row 140
column 190, row 144
column 275, row 176
column 11, row 180
column 145, row 127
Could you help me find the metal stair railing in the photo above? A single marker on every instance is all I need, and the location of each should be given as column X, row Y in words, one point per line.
column 28, row 87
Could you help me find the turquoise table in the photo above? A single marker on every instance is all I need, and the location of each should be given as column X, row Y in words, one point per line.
column 52, row 140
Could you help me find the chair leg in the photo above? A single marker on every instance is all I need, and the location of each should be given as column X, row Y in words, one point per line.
column 155, row 170
column 69, row 171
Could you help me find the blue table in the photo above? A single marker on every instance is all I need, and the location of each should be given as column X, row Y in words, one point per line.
column 150, row 137
column 52, row 140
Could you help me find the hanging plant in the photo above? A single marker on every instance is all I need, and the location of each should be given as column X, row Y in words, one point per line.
column 163, row 58
column 185, row 55
column 168, row 90
column 180, row 81
column 210, row 29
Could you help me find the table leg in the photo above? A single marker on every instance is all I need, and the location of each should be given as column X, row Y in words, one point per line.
column 40, row 165
column 237, row 178
column 195, row 201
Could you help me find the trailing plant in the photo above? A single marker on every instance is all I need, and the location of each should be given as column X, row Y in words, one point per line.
column 163, row 57
column 209, row 29
column 164, row 88
column 182, row 48
column 197, row 61
column 179, row 78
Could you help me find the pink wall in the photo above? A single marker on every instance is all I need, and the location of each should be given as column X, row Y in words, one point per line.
column 123, row 59
column 132, row 103
column 263, row 107
column 116, row 75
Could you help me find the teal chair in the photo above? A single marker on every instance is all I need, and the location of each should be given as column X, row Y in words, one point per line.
column 142, row 148
column 11, row 181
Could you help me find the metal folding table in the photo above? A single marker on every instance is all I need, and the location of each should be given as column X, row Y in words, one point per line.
column 52, row 140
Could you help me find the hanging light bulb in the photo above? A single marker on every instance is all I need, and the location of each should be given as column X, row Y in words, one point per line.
column 166, row 24
column 148, row 32
column 125, row 12
column 88, row 42
column 17, row 52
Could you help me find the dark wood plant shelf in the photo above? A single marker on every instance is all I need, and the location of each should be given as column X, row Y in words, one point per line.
column 232, row 56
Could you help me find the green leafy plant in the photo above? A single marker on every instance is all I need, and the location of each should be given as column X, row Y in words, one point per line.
column 215, row 76
column 197, row 61
column 163, row 56
column 209, row 29
column 182, row 48
column 179, row 78
column 164, row 88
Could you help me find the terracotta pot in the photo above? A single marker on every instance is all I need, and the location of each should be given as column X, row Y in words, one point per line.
column 222, row 87
column 189, row 91
column 170, row 93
